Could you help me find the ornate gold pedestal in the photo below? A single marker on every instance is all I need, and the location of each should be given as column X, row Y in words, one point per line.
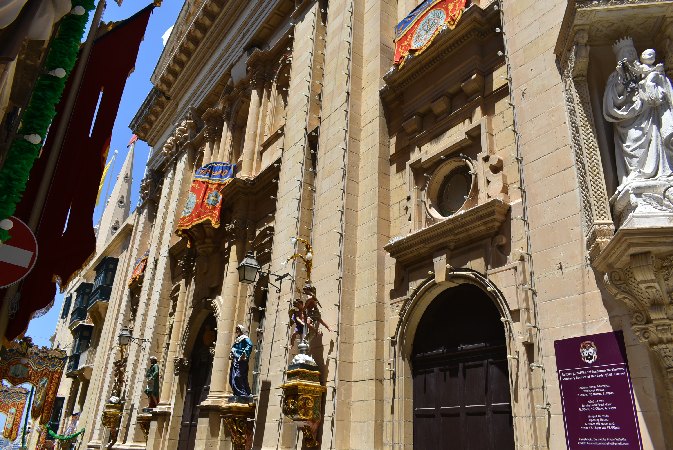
column 302, row 400
column 239, row 419
column 112, row 415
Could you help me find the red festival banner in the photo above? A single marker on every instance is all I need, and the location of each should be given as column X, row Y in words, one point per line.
column 139, row 269
column 417, row 31
column 204, row 202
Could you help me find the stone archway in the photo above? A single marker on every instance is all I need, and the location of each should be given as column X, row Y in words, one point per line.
column 197, row 381
column 461, row 394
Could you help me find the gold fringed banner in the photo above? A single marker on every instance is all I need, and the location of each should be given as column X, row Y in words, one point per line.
column 417, row 31
column 22, row 362
column 204, row 200
column 12, row 404
column 139, row 269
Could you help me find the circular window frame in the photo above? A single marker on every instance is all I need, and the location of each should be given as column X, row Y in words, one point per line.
column 437, row 180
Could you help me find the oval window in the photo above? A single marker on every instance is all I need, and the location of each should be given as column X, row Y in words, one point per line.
column 454, row 190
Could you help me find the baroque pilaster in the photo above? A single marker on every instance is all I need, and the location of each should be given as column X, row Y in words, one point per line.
column 596, row 218
column 250, row 143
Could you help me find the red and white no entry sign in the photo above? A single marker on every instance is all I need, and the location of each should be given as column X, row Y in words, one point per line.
column 18, row 254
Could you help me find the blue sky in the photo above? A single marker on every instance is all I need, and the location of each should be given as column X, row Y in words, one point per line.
column 137, row 87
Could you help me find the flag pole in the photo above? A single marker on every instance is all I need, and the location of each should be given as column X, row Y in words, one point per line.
column 52, row 162
column 25, row 420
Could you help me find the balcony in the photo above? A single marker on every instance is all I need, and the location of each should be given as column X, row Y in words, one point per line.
column 78, row 315
column 80, row 365
column 72, row 366
column 98, row 303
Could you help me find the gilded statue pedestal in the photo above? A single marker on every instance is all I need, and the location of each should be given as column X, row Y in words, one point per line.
column 302, row 399
column 112, row 415
column 238, row 416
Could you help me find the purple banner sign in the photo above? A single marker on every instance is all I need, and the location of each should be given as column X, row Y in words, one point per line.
column 598, row 407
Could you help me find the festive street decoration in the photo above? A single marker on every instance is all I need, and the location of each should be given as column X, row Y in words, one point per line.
column 204, row 201
column 41, row 108
column 22, row 362
column 139, row 270
column 12, row 404
column 64, row 437
column 417, row 31
column 66, row 235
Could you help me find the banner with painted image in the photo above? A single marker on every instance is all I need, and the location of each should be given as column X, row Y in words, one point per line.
column 417, row 31
column 22, row 362
column 12, row 403
column 204, row 201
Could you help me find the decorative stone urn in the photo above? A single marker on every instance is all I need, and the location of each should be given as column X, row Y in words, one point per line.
column 302, row 395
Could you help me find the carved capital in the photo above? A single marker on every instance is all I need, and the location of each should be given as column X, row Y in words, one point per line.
column 150, row 186
column 213, row 120
column 645, row 285
column 579, row 60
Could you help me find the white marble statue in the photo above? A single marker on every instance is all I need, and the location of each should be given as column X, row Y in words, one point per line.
column 638, row 100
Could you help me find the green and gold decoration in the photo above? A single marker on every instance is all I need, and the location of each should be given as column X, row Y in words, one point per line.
column 64, row 437
column 12, row 404
column 41, row 109
column 22, row 362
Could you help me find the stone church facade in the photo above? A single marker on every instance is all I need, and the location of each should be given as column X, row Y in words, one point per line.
column 460, row 212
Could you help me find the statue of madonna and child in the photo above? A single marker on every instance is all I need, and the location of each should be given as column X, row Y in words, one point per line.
column 638, row 101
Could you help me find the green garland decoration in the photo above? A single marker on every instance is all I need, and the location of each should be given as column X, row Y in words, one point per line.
column 64, row 437
column 41, row 109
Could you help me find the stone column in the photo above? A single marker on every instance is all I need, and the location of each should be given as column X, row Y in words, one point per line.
column 213, row 132
column 165, row 400
column 219, row 386
column 225, row 138
column 249, row 145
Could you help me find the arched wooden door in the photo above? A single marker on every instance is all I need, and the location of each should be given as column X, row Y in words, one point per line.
column 461, row 389
column 198, row 383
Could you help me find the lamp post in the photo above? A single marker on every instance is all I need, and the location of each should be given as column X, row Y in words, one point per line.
column 249, row 269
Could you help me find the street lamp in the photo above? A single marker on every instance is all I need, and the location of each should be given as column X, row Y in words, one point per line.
column 124, row 337
column 247, row 270
column 250, row 268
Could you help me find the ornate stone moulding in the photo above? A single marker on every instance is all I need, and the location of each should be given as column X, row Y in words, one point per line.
column 461, row 229
column 302, row 400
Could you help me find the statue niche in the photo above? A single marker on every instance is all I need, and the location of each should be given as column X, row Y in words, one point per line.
column 638, row 101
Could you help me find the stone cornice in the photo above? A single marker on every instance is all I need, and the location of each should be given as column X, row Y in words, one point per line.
column 605, row 20
column 462, row 229
column 627, row 242
column 198, row 64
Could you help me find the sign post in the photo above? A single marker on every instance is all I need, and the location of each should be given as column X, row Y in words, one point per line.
column 18, row 254
column 599, row 411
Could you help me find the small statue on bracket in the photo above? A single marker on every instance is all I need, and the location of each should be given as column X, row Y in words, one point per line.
column 152, row 377
column 312, row 315
column 239, row 356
